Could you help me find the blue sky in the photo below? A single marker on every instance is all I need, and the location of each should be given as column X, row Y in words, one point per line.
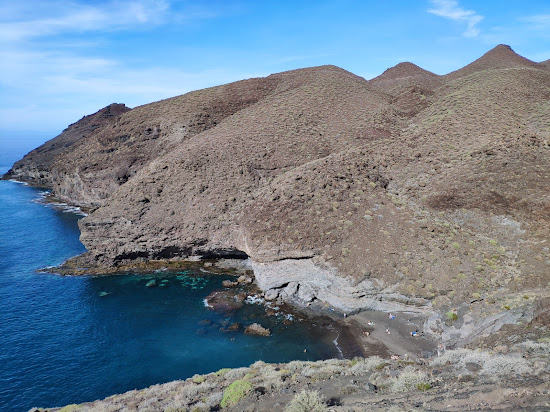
column 63, row 59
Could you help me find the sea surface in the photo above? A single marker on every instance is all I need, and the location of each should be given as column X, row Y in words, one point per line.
column 75, row 339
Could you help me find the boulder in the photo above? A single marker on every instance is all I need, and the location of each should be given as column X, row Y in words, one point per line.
column 271, row 294
column 257, row 329
column 224, row 301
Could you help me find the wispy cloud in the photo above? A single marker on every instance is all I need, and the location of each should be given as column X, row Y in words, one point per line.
column 450, row 9
column 538, row 22
column 74, row 17
column 52, row 54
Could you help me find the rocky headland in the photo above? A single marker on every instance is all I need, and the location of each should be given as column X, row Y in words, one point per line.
column 411, row 192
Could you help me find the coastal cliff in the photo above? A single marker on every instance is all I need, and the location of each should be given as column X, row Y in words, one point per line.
column 409, row 189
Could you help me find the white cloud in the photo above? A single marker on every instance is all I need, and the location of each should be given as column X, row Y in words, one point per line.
column 69, row 16
column 53, row 71
column 450, row 9
column 49, row 90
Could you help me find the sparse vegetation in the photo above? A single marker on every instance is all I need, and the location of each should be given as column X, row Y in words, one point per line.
column 235, row 392
column 452, row 316
column 408, row 379
column 306, row 401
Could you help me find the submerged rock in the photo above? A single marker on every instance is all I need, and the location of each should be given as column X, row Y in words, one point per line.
column 234, row 327
column 151, row 283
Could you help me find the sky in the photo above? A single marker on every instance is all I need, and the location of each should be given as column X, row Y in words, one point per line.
column 63, row 59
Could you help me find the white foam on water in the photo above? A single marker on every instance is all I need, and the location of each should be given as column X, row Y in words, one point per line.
column 335, row 341
column 63, row 207
column 254, row 299
column 17, row 181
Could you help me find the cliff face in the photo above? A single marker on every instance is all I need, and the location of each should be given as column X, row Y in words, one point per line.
column 413, row 187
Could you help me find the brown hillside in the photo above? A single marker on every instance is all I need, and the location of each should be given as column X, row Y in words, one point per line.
column 410, row 86
column 89, row 172
column 501, row 57
column 409, row 188
column 35, row 167
column 215, row 174
column 406, row 74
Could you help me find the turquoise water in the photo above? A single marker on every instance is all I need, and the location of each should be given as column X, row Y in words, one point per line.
column 75, row 339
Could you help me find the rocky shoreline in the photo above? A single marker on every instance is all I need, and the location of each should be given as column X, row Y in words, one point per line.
column 351, row 327
column 440, row 371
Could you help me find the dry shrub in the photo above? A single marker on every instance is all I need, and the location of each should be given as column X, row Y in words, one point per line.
column 365, row 366
column 298, row 365
column 495, row 365
column 236, row 373
column 306, row 401
column 407, row 380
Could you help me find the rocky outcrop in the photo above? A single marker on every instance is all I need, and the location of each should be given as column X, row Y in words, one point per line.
column 257, row 329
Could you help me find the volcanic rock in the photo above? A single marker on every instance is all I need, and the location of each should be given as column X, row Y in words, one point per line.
column 257, row 329
column 224, row 301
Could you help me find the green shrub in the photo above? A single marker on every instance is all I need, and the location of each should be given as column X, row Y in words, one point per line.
column 222, row 371
column 423, row 386
column 306, row 401
column 199, row 379
column 451, row 316
column 235, row 392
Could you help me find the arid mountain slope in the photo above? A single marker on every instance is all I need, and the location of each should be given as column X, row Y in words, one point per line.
column 501, row 57
column 36, row 167
column 409, row 188
column 405, row 76
column 88, row 172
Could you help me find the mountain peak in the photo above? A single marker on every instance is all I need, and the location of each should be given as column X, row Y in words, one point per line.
column 499, row 57
column 402, row 70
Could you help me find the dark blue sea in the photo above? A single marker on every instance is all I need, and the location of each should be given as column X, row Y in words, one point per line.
column 75, row 339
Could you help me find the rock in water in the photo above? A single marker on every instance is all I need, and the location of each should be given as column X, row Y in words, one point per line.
column 224, row 301
column 151, row 283
column 257, row 329
column 229, row 283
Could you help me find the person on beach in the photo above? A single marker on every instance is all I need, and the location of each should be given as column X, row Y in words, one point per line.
column 390, row 316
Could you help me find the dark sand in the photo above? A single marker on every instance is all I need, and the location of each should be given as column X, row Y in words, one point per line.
column 353, row 341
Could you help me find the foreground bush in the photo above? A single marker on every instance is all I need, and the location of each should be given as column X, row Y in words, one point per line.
column 306, row 401
column 235, row 392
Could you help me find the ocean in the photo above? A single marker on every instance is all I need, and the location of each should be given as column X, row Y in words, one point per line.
column 75, row 339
